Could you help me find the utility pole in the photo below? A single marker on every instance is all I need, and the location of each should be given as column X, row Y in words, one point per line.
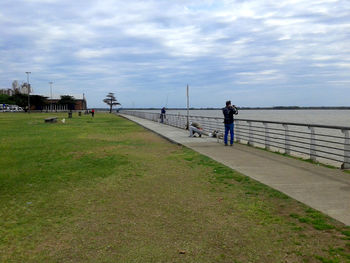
column 84, row 101
column 28, row 87
column 188, row 108
column 51, row 94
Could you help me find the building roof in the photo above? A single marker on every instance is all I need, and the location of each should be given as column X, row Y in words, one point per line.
column 58, row 96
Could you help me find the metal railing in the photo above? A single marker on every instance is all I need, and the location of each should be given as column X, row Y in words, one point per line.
column 322, row 143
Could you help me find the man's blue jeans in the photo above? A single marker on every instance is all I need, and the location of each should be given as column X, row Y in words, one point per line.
column 229, row 127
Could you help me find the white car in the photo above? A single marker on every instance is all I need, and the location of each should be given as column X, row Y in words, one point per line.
column 10, row 108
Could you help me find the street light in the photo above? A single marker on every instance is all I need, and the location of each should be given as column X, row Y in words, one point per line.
column 28, row 87
column 51, row 93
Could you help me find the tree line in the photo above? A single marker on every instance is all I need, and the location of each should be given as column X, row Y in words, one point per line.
column 39, row 102
column 36, row 101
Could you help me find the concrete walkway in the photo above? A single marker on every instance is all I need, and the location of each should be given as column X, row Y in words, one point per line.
column 324, row 189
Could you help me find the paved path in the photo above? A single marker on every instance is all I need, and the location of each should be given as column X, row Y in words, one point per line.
column 324, row 189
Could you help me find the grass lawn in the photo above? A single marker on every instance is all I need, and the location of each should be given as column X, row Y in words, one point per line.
column 106, row 190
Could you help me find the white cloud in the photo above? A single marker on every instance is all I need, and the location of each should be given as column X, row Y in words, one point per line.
column 151, row 46
column 265, row 72
column 87, row 53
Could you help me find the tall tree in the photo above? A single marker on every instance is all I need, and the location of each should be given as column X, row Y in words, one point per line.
column 38, row 101
column 20, row 99
column 111, row 101
column 67, row 100
column 6, row 99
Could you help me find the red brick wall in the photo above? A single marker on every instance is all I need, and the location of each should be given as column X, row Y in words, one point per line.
column 80, row 105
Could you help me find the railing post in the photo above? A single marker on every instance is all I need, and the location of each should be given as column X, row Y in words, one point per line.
column 267, row 136
column 237, row 132
column 177, row 120
column 251, row 138
column 286, row 139
column 217, row 129
column 346, row 164
column 312, row 144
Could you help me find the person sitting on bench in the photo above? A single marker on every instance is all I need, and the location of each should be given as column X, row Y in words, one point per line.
column 195, row 128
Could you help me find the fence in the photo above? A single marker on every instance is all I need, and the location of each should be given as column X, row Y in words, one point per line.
column 323, row 143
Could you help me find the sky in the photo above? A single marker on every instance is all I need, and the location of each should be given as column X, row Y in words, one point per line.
column 253, row 52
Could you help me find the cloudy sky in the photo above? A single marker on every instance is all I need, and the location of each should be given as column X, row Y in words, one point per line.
column 254, row 52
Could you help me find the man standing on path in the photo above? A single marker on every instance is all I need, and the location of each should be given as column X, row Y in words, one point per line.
column 162, row 115
column 228, row 112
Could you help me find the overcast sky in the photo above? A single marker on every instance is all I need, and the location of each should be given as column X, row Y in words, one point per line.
column 254, row 52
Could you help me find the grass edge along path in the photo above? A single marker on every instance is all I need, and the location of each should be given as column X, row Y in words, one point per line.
column 107, row 190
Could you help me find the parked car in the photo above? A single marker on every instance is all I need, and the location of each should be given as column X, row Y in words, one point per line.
column 10, row 108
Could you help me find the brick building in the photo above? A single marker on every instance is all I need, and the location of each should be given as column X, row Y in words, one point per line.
column 80, row 104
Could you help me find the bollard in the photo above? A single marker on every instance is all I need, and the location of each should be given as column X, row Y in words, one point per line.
column 79, row 113
column 70, row 114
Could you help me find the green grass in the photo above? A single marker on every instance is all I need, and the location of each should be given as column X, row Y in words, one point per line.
column 315, row 218
column 107, row 190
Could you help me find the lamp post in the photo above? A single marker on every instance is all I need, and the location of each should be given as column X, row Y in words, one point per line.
column 84, row 101
column 188, row 107
column 51, row 94
column 28, row 87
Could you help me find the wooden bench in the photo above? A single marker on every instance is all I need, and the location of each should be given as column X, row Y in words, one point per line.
column 51, row 120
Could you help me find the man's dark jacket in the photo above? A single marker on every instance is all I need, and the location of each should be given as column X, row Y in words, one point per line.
column 228, row 114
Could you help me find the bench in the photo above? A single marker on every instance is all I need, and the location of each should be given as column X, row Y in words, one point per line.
column 51, row 120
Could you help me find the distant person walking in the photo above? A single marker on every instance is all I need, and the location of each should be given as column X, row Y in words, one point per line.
column 162, row 115
column 93, row 112
column 228, row 112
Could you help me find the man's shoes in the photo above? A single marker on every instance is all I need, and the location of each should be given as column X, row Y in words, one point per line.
column 226, row 144
column 231, row 144
column 200, row 135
